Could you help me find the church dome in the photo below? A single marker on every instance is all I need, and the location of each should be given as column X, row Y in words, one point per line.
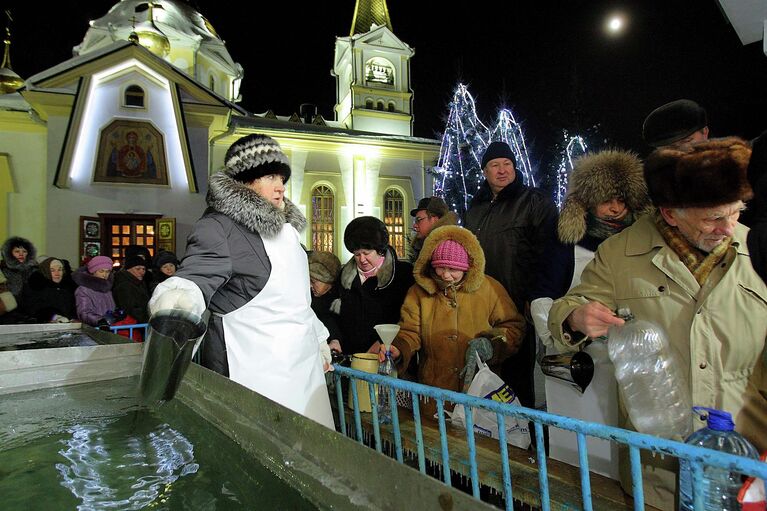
column 9, row 81
column 174, row 31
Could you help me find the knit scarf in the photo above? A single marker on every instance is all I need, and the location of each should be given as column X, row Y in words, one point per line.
column 697, row 261
column 603, row 229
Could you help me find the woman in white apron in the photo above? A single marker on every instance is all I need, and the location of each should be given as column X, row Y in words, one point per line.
column 244, row 262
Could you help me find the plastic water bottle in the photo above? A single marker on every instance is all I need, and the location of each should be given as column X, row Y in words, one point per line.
column 720, row 486
column 654, row 391
column 385, row 368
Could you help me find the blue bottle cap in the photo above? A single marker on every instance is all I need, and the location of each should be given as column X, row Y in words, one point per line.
column 718, row 420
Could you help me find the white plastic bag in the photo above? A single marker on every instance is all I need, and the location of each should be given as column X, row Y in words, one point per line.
column 489, row 385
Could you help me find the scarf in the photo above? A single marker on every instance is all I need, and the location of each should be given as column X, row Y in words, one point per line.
column 449, row 289
column 603, row 229
column 364, row 275
column 697, row 261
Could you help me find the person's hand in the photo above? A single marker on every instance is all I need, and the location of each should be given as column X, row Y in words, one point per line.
column 57, row 318
column 395, row 353
column 375, row 347
column 335, row 345
column 593, row 319
column 480, row 348
column 327, row 358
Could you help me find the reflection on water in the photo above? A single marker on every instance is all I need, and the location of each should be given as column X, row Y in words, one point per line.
column 90, row 447
column 109, row 469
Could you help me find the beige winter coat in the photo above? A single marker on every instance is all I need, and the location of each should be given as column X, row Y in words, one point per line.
column 717, row 332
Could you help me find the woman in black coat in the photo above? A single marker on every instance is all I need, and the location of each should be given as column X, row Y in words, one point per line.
column 50, row 293
column 373, row 284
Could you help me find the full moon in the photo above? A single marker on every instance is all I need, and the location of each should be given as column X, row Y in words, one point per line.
column 615, row 24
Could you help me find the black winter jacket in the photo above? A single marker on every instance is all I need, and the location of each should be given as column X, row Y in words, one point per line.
column 513, row 229
column 378, row 300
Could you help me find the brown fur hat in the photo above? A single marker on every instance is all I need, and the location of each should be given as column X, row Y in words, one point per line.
column 701, row 175
column 597, row 178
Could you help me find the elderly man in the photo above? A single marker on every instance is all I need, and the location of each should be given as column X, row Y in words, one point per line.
column 676, row 123
column 513, row 224
column 430, row 213
column 685, row 267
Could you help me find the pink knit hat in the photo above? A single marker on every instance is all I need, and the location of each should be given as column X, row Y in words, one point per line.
column 99, row 263
column 450, row 254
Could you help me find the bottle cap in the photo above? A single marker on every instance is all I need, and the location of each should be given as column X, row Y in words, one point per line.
column 718, row 420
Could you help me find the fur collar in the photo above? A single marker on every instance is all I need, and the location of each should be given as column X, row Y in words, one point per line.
column 10, row 261
column 475, row 275
column 235, row 200
column 85, row 279
column 385, row 274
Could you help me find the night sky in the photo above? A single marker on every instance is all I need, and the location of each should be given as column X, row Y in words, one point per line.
column 551, row 62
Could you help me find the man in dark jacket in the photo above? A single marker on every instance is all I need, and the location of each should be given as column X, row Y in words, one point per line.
column 513, row 224
column 130, row 290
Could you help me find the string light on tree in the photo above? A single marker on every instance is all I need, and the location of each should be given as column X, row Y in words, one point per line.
column 510, row 131
column 458, row 174
column 574, row 147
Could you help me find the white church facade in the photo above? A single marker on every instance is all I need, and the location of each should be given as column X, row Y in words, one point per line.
column 114, row 146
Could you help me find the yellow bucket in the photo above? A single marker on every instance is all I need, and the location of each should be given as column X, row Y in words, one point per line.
column 367, row 362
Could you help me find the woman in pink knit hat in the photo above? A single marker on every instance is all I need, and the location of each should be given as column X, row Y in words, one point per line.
column 453, row 313
column 93, row 296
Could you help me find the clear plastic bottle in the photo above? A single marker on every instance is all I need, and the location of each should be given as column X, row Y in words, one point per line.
column 385, row 368
column 654, row 390
column 720, row 486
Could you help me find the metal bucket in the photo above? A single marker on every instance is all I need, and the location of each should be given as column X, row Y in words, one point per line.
column 574, row 368
column 172, row 338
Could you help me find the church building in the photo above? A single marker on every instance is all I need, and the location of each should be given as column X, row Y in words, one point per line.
column 114, row 146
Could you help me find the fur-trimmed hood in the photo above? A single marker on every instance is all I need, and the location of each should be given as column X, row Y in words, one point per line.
column 243, row 205
column 10, row 261
column 475, row 275
column 81, row 277
column 597, row 178
column 385, row 273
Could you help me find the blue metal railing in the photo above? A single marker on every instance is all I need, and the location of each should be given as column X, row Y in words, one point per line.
column 130, row 328
column 697, row 456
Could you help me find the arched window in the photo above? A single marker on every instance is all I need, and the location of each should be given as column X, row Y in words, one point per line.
column 394, row 218
column 391, row 106
column 322, row 219
column 369, row 104
column 212, row 83
column 134, row 96
column 380, row 105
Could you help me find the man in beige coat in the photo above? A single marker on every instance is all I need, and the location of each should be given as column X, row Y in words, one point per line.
column 687, row 268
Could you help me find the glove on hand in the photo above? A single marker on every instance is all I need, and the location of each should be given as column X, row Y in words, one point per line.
column 59, row 319
column 325, row 355
column 480, row 348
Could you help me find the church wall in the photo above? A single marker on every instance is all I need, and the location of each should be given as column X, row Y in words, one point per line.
column 26, row 206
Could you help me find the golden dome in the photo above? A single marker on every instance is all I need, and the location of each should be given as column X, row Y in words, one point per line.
column 153, row 40
column 9, row 81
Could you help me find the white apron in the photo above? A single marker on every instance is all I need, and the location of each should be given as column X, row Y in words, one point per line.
column 272, row 342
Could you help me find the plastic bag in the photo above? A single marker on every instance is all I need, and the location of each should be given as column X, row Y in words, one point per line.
column 489, row 385
column 752, row 494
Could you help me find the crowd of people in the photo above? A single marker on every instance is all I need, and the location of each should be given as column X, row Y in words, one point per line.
column 513, row 279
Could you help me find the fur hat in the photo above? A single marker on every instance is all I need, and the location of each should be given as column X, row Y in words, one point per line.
column 324, row 266
column 597, row 178
column 702, row 175
column 366, row 232
column 672, row 122
column 498, row 150
column 255, row 156
column 450, row 254
column 133, row 261
column 99, row 263
column 165, row 257
column 434, row 206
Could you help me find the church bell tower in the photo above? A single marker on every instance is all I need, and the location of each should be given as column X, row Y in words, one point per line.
column 372, row 70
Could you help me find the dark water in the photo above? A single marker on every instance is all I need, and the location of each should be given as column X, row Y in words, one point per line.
column 43, row 340
column 90, row 447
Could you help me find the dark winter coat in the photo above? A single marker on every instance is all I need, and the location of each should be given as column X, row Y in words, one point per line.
column 44, row 298
column 513, row 229
column 131, row 295
column 225, row 255
column 93, row 297
column 377, row 300
column 757, row 208
column 321, row 305
column 17, row 274
column 439, row 324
